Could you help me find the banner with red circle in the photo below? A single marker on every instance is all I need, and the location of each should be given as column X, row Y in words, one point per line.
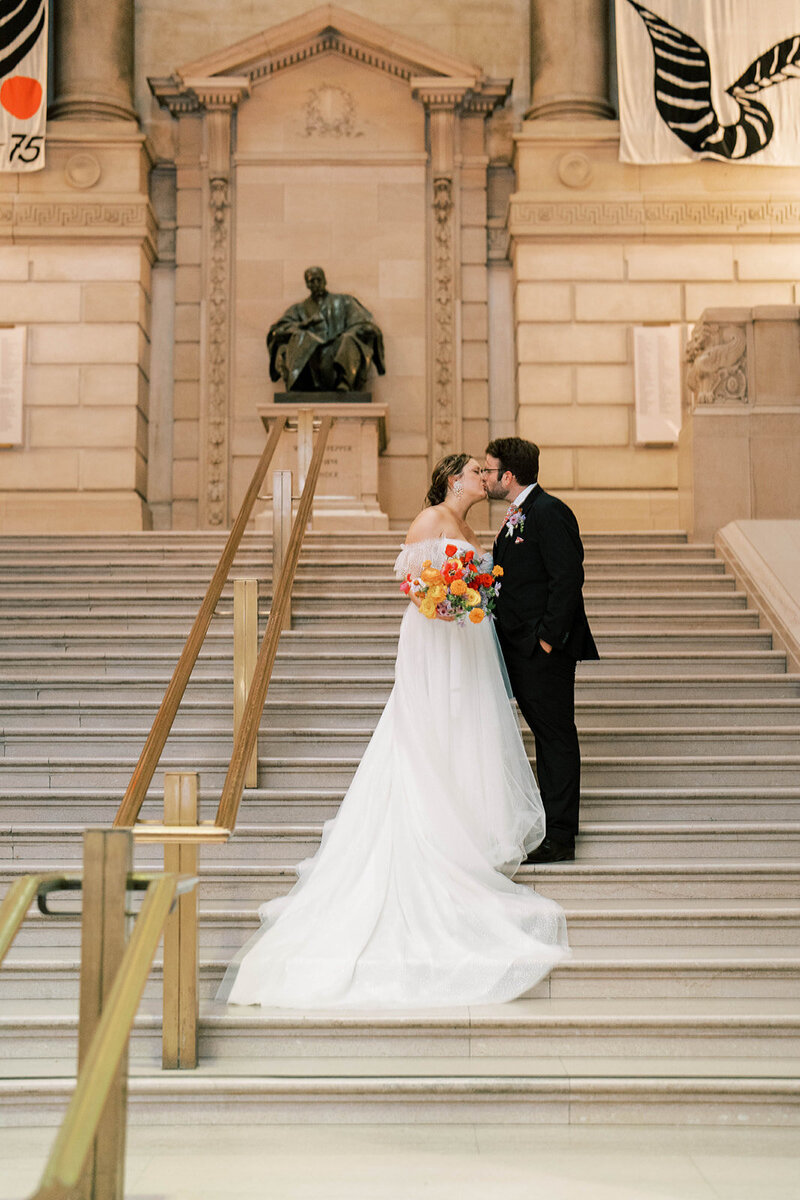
column 23, row 84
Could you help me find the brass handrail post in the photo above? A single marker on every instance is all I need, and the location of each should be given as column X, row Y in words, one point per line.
column 107, row 862
column 281, row 531
column 94, row 1089
column 245, row 653
column 159, row 732
column 248, row 733
column 181, row 960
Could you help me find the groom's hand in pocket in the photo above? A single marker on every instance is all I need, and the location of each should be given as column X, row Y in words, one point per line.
column 545, row 646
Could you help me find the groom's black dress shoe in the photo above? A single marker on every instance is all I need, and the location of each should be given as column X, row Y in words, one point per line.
column 551, row 851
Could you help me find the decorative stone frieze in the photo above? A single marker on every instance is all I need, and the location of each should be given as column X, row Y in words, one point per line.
column 680, row 217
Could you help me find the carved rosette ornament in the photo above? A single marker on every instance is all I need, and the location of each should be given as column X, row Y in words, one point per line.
column 717, row 358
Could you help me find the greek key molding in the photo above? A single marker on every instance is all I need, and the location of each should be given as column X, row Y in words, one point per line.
column 714, row 218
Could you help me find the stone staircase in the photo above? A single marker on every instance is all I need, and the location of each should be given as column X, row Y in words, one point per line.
column 680, row 1002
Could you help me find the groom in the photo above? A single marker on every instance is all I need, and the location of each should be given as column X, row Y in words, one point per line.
column 542, row 627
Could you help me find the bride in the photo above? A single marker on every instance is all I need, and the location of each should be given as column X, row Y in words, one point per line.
column 407, row 902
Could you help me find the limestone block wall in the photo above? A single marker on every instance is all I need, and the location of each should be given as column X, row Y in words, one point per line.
column 599, row 247
column 75, row 261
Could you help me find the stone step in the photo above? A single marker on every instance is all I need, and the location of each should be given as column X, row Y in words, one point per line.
column 727, row 1092
column 376, row 666
column 309, row 618
column 38, row 642
column 125, row 710
column 634, row 1029
column 192, row 579
column 612, row 923
column 98, row 806
column 325, row 742
column 83, row 685
column 687, row 771
column 713, row 972
column 62, row 843
column 223, row 885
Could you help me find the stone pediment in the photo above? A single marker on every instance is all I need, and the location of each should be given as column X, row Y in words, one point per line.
column 228, row 74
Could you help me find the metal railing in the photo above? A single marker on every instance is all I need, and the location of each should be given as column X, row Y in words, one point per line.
column 87, row 1158
column 250, row 712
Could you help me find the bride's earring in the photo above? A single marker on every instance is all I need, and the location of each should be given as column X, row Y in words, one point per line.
column 458, row 488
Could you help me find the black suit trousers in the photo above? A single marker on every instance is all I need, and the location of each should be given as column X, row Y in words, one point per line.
column 544, row 688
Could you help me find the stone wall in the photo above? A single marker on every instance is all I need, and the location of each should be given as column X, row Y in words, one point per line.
column 76, row 247
column 598, row 247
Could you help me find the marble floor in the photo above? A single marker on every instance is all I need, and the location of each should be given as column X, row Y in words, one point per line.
column 455, row 1162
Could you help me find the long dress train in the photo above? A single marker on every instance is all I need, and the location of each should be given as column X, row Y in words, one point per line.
column 406, row 903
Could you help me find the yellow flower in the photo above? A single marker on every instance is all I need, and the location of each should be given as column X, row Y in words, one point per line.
column 437, row 593
column 458, row 587
column 496, row 571
column 476, row 616
column 428, row 609
column 472, row 597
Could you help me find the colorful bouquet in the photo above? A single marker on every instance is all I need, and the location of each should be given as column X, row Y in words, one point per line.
column 459, row 589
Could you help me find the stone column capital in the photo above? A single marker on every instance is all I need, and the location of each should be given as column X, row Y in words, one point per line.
column 179, row 95
column 439, row 93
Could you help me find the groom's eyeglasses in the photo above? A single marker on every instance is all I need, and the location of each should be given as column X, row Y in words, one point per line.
column 491, row 470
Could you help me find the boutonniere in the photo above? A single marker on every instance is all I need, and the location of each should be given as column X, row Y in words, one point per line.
column 518, row 541
column 515, row 521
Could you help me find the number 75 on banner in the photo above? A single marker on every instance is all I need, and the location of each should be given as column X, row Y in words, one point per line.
column 23, row 86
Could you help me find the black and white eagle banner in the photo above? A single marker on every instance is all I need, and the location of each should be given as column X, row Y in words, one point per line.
column 713, row 79
column 23, row 84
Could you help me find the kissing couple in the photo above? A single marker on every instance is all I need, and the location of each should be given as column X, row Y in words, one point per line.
column 409, row 901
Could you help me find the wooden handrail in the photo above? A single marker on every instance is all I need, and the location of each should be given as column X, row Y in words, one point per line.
column 159, row 732
column 281, row 591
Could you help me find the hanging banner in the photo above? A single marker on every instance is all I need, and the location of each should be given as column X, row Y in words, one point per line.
column 709, row 79
column 23, row 84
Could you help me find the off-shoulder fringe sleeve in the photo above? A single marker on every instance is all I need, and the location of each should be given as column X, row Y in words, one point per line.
column 411, row 557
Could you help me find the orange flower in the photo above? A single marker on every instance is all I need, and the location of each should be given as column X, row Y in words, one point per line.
column 476, row 616
column 431, row 575
column 458, row 587
column 450, row 549
column 497, row 571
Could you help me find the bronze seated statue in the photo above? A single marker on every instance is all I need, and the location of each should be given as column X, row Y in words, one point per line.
column 326, row 343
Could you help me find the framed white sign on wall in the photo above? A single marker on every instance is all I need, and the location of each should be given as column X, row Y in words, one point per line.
column 657, row 368
column 12, row 378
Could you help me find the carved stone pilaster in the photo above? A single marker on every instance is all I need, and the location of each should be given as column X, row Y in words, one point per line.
column 441, row 98
column 216, row 98
column 444, row 331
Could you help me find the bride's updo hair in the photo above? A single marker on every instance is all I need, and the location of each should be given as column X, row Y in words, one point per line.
column 446, row 468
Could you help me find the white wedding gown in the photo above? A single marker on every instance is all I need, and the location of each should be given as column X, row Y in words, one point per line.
column 405, row 904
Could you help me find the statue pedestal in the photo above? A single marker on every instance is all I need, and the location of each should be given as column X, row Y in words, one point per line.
column 347, row 491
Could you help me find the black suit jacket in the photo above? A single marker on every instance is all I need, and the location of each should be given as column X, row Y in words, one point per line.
column 540, row 594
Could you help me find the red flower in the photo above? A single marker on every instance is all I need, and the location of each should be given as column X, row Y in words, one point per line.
column 450, row 549
column 485, row 580
column 468, row 557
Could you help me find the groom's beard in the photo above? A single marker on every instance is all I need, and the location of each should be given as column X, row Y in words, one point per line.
column 496, row 493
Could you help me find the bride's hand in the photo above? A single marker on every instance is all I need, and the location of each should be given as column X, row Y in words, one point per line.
column 415, row 600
